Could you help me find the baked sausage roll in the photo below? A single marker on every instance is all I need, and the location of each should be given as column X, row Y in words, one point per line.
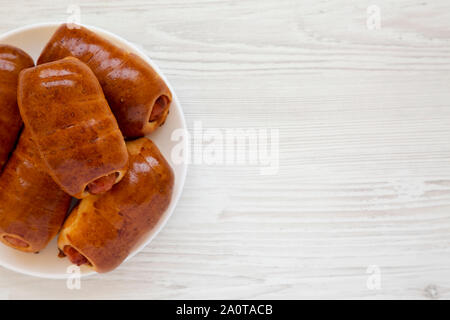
column 32, row 206
column 137, row 95
column 63, row 106
column 12, row 61
column 103, row 229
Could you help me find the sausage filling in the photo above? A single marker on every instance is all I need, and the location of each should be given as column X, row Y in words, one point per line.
column 75, row 257
column 161, row 104
column 16, row 242
column 102, row 184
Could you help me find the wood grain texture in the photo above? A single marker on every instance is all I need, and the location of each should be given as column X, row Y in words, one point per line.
column 364, row 123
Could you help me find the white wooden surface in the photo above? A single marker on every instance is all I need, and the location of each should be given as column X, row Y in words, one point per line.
column 364, row 122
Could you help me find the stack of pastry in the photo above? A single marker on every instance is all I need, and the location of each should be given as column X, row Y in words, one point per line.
column 73, row 126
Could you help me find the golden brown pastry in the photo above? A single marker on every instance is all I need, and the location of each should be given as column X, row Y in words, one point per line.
column 63, row 106
column 137, row 95
column 102, row 230
column 32, row 206
column 12, row 61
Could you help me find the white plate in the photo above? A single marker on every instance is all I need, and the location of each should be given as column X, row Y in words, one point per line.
column 46, row 264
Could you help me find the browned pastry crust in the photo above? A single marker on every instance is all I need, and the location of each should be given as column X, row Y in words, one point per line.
column 32, row 206
column 63, row 106
column 102, row 230
column 137, row 95
column 12, row 61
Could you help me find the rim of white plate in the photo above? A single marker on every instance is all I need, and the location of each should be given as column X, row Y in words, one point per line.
column 175, row 103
